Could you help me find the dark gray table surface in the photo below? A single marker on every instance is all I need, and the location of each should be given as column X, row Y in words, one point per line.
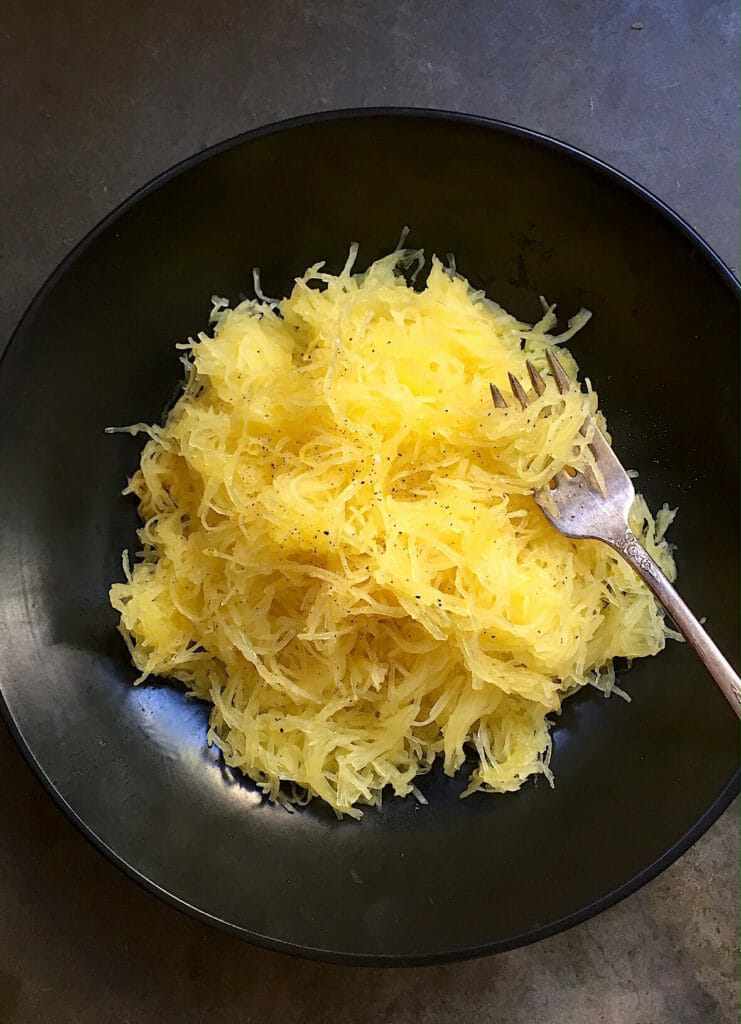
column 96, row 98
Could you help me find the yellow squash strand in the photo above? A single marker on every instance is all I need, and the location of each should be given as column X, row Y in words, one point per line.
column 341, row 551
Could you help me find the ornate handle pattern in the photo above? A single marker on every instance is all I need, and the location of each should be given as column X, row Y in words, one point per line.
column 718, row 665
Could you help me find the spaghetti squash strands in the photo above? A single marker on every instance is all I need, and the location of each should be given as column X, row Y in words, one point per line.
column 341, row 553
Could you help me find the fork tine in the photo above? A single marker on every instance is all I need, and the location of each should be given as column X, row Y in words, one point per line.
column 517, row 390
column 498, row 397
column 562, row 379
column 538, row 382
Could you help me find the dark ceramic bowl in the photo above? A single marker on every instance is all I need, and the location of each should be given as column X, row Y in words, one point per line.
column 636, row 783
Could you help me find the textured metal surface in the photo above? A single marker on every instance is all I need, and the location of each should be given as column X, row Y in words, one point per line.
column 97, row 98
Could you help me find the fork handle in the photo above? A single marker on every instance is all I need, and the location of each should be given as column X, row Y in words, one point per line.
column 717, row 664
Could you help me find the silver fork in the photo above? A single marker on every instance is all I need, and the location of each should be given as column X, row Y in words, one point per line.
column 581, row 512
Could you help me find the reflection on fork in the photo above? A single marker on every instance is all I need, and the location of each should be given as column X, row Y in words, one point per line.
column 579, row 508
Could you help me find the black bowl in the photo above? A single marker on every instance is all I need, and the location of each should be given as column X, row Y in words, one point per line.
column 635, row 783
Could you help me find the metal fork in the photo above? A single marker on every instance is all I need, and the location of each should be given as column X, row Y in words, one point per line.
column 577, row 509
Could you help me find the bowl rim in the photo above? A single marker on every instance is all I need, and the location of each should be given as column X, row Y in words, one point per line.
column 680, row 846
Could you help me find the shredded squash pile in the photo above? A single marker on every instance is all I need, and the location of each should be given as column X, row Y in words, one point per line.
column 341, row 551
